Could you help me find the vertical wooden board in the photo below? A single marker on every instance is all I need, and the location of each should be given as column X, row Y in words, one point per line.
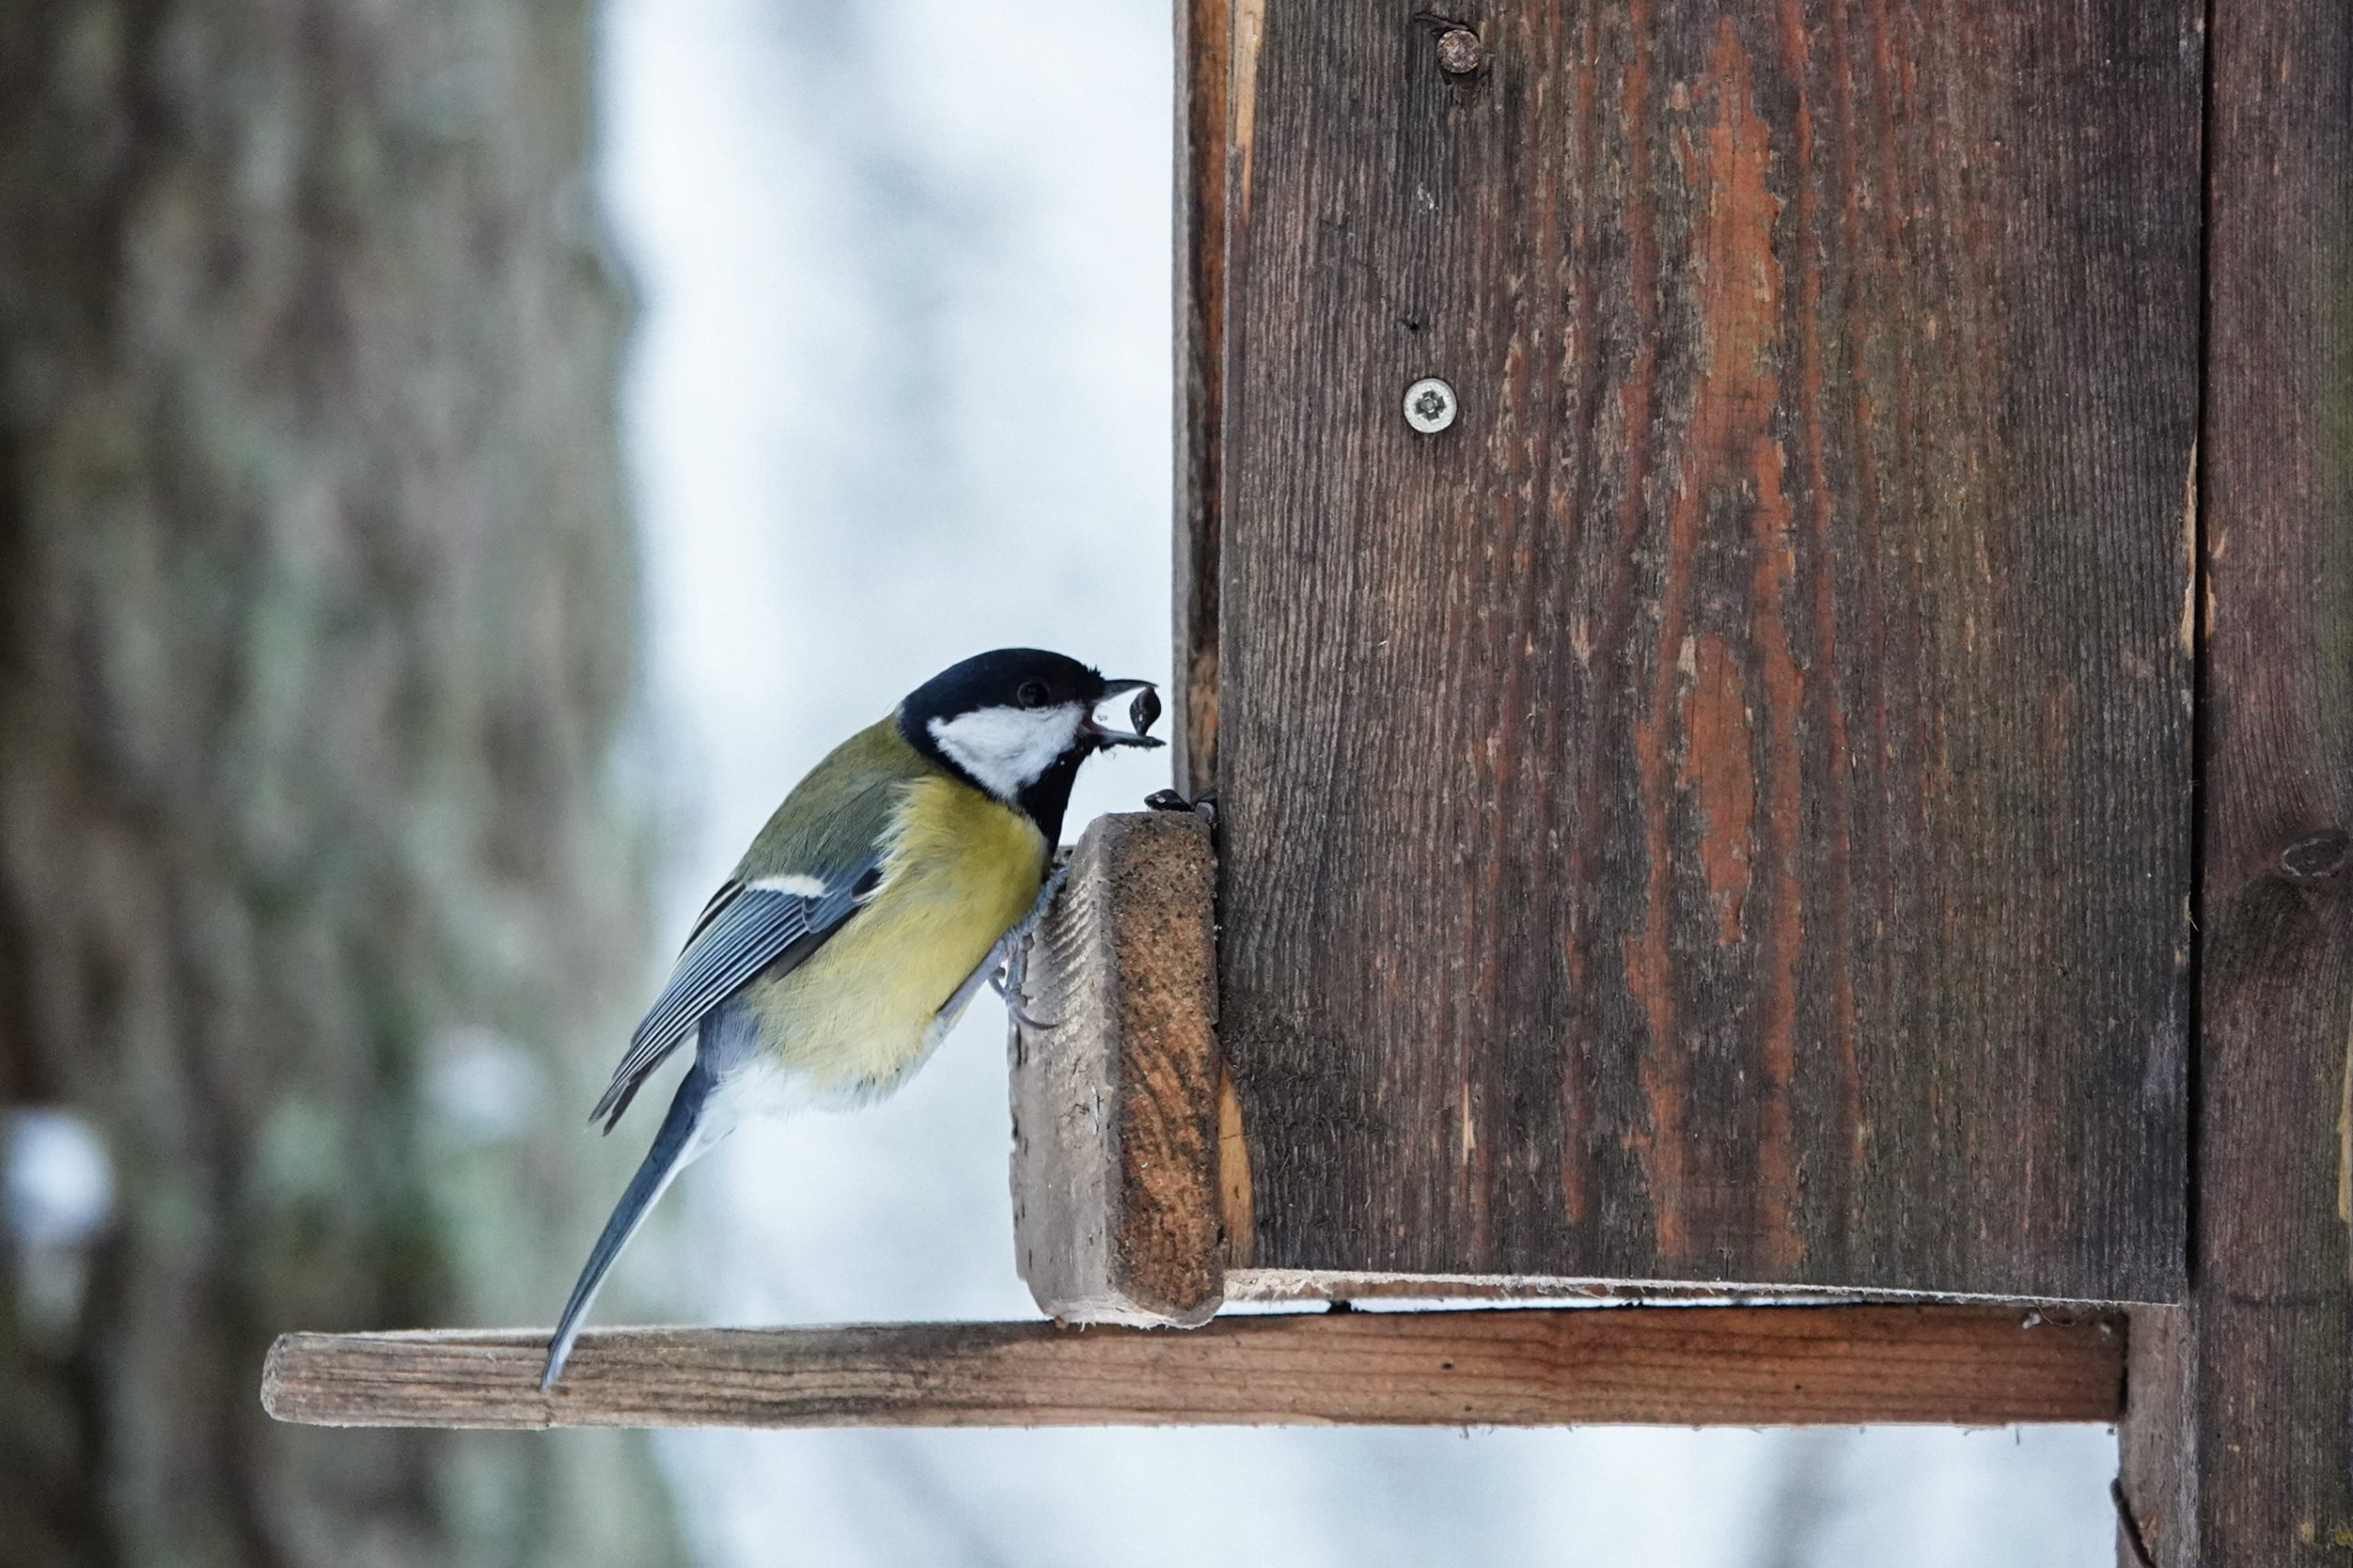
column 2153, row 1491
column 1720, row 810
column 1203, row 30
column 2244, row 1459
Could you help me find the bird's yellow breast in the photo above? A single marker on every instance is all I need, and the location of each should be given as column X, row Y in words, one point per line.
column 960, row 869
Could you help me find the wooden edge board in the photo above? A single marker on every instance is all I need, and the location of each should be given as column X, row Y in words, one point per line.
column 2236, row 1451
column 1601, row 1366
column 1441, row 1292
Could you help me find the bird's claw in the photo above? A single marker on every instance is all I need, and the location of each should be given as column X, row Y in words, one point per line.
column 1020, row 1016
column 1006, row 976
column 1203, row 805
column 1006, row 982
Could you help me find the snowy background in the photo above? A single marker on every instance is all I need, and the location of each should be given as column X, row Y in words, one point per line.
column 901, row 392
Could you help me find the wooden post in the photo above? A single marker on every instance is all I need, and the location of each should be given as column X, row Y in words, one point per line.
column 1115, row 1192
column 1759, row 1365
column 2235, row 1446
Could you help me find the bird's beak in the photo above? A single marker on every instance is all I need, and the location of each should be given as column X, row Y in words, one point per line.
column 1142, row 713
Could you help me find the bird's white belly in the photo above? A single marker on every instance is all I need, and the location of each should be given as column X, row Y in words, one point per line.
column 769, row 1084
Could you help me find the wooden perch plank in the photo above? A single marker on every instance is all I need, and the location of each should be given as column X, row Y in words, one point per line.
column 1720, row 810
column 1115, row 1198
column 1690, row 1365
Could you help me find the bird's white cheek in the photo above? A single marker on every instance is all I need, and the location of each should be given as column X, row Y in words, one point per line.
column 1008, row 748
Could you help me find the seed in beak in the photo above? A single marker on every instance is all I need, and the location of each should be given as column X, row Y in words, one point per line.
column 1144, row 712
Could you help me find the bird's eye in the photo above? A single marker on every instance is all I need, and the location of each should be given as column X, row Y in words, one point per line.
column 1032, row 694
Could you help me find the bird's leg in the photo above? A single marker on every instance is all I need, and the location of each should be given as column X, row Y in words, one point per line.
column 1009, row 964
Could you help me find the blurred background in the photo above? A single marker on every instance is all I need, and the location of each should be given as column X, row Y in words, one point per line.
column 459, row 463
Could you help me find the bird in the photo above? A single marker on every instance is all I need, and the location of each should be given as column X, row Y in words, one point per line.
column 895, row 880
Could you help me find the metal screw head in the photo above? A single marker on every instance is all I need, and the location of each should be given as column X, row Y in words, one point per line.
column 1459, row 51
column 1430, row 405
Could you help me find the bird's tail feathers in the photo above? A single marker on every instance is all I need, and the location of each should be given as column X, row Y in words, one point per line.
column 687, row 1131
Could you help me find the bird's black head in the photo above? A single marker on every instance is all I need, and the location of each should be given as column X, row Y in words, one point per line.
column 1016, row 722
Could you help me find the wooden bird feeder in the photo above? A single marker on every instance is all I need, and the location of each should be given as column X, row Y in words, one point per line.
column 1816, row 771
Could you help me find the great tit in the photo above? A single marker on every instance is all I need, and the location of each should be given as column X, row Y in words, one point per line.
column 895, row 880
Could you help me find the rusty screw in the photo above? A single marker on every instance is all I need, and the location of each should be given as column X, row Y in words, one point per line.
column 1459, row 53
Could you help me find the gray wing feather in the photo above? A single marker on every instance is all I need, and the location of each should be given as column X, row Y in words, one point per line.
column 744, row 931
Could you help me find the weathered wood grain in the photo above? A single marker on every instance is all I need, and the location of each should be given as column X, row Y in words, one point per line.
column 1722, row 810
column 1204, row 29
column 2245, row 1459
column 1115, row 1179
column 1763, row 1366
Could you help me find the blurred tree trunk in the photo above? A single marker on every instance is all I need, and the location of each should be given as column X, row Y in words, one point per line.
column 321, row 890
